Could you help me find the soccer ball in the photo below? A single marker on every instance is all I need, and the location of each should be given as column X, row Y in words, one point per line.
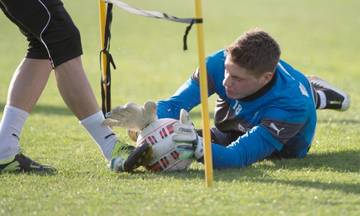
column 165, row 156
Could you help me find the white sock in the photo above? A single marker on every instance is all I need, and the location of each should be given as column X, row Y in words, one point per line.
column 322, row 98
column 12, row 122
column 102, row 135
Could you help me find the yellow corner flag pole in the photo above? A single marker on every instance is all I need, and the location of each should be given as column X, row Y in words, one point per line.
column 102, row 19
column 204, row 98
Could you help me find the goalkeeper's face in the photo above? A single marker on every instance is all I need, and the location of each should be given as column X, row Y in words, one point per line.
column 240, row 82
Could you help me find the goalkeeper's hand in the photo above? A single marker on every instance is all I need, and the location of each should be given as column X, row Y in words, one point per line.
column 185, row 137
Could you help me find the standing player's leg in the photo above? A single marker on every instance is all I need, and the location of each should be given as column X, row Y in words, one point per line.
column 75, row 88
column 52, row 35
column 28, row 82
column 79, row 97
column 25, row 88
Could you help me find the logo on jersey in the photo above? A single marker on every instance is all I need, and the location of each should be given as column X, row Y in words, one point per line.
column 241, row 128
column 303, row 90
column 275, row 128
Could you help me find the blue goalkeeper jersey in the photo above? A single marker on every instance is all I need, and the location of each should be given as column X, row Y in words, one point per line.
column 279, row 118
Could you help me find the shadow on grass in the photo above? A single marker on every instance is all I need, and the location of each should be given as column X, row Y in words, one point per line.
column 351, row 188
column 339, row 121
column 47, row 110
column 342, row 161
column 188, row 174
column 31, row 173
column 345, row 161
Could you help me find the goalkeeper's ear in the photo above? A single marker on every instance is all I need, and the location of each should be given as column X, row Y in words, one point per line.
column 185, row 118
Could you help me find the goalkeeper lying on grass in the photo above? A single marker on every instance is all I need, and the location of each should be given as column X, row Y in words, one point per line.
column 265, row 107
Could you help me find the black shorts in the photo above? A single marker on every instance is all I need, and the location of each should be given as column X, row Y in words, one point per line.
column 48, row 28
column 222, row 138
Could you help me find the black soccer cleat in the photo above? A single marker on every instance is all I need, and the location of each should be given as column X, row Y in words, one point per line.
column 127, row 159
column 21, row 163
column 141, row 155
column 336, row 99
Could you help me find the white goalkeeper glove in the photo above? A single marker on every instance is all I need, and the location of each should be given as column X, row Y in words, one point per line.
column 188, row 142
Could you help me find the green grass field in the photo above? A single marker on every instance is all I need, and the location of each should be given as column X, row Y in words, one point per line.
column 317, row 37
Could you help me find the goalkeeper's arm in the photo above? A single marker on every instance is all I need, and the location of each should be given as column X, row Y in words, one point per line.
column 186, row 97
